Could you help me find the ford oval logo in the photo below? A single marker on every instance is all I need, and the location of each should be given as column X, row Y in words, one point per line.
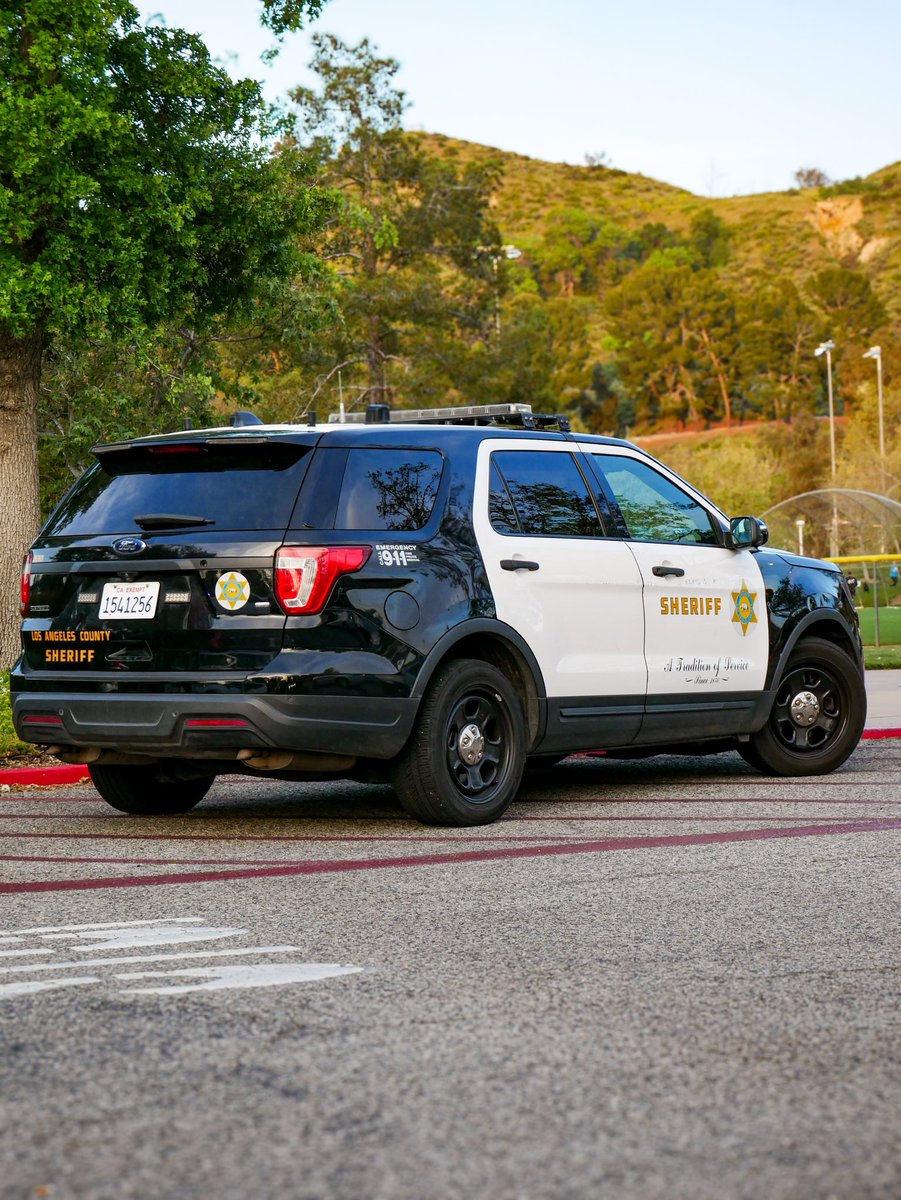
column 129, row 545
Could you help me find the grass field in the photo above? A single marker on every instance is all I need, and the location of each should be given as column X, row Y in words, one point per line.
column 889, row 626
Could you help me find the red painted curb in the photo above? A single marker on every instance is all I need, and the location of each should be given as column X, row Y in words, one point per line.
column 878, row 734
column 45, row 776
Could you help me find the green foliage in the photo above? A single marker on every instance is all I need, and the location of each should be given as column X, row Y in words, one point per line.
column 135, row 182
column 709, row 239
column 416, row 269
column 9, row 743
column 283, row 16
column 850, row 308
column 848, row 187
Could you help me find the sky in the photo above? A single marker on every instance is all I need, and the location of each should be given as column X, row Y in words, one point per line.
column 719, row 97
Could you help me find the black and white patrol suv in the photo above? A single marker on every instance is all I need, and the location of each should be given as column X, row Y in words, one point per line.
column 437, row 597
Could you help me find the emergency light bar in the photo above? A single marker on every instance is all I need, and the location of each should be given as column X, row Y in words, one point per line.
column 470, row 412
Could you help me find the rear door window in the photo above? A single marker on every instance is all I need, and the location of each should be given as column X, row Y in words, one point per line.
column 544, row 492
column 231, row 487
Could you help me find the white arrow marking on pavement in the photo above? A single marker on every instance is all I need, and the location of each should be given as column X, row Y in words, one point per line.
column 250, row 976
column 157, row 933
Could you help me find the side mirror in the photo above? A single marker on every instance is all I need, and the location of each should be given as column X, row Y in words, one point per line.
column 747, row 532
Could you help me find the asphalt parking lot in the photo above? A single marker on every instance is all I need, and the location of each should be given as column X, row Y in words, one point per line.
column 669, row 978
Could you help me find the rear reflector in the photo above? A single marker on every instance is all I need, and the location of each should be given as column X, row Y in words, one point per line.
column 41, row 719
column 214, row 723
column 305, row 575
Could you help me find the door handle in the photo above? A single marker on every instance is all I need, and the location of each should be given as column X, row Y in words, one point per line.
column 662, row 572
column 518, row 564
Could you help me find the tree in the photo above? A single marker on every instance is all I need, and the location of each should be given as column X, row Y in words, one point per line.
column 416, row 257
column 676, row 334
column 778, row 336
column 135, row 187
column 811, row 177
column 709, row 239
column 851, row 308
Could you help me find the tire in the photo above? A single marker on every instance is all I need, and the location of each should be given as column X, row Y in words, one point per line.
column 830, row 707
column 141, row 792
column 438, row 777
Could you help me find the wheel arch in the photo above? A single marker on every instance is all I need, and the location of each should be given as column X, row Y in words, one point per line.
column 830, row 627
column 500, row 645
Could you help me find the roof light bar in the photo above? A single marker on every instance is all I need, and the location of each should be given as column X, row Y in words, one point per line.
column 407, row 415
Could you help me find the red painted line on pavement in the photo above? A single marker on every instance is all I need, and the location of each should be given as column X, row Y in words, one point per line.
column 332, row 866
column 498, row 838
column 879, row 734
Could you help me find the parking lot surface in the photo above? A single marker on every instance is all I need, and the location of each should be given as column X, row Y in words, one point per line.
column 663, row 978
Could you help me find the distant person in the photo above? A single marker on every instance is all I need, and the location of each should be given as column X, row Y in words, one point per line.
column 893, row 574
column 852, row 585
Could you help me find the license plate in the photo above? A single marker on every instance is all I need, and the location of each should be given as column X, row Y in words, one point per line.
column 129, row 601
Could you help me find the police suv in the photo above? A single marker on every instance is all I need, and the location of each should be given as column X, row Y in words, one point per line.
column 437, row 597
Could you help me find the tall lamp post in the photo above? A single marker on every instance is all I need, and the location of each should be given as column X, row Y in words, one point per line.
column 827, row 348
column 876, row 352
column 495, row 256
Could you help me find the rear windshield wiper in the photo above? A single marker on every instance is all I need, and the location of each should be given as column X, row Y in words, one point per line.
column 150, row 521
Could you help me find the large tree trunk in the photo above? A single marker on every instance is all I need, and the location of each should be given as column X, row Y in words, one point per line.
column 20, row 379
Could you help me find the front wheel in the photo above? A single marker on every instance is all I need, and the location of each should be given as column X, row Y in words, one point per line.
column 141, row 792
column 817, row 716
column 464, row 760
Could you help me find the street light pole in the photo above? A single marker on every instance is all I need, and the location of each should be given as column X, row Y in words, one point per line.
column 495, row 255
column 827, row 348
column 876, row 352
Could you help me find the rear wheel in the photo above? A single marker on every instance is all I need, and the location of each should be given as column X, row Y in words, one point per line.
column 141, row 792
column 817, row 717
column 464, row 760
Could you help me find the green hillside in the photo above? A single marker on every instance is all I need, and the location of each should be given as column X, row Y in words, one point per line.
column 793, row 234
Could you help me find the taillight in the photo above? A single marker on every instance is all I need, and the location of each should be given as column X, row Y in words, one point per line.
column 26, row 583
column 304, row 575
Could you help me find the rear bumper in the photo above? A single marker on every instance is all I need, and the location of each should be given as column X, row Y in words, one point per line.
column 181, row 725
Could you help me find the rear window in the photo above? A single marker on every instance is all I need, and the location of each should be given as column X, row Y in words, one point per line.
column 231, row 487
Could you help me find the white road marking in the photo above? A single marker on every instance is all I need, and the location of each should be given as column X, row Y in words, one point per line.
column 156, row 933
column 234, row 951
column 136, row 935
column 28, row 987
column 217, row 978
column 16, row 935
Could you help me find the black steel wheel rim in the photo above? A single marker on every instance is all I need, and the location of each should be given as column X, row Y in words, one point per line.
column 810, row 710
column 478, row 765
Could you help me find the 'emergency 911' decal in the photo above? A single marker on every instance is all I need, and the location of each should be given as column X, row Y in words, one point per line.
column 397, row 556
